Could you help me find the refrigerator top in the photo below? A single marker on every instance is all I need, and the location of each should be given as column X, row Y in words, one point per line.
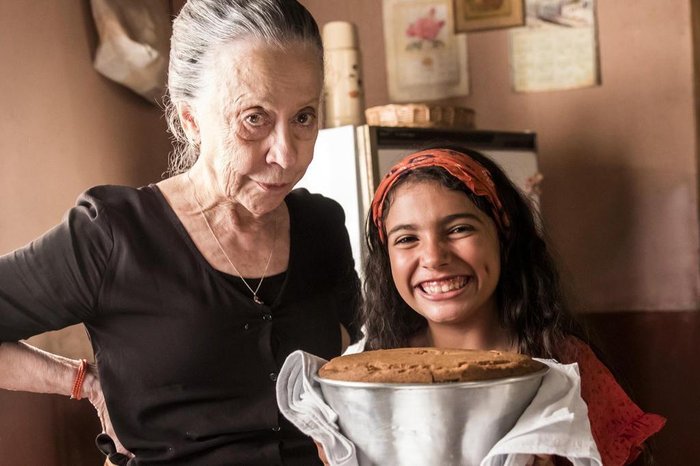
column 389, row 137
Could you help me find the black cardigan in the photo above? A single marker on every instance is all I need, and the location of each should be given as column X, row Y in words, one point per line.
column 187, row 361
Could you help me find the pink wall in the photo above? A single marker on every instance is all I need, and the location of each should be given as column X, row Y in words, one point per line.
column 63, row 128
column 620, row 190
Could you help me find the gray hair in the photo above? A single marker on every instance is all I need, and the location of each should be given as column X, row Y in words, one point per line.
column 204, row 25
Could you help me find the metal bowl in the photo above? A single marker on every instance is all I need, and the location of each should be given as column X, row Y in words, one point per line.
column 424, row 424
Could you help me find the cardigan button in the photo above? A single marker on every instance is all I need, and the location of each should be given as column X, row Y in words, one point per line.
column 276, row 429
column 267, row 316
column 246, row 326
column 273, row 376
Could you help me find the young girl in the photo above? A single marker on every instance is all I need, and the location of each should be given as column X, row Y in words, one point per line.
column 458, row 260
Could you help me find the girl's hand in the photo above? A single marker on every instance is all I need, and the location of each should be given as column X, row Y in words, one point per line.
column 93, row 392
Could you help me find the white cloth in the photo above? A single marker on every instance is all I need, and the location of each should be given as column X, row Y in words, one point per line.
column 555, row 422
column 300, row 400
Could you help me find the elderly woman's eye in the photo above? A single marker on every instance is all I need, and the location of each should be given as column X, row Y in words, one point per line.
column 255, row 119
column 306, row 118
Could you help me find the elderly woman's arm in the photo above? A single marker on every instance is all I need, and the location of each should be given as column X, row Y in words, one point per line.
column 29, row 369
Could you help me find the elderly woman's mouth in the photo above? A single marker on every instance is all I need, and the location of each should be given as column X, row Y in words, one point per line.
column 273, row 186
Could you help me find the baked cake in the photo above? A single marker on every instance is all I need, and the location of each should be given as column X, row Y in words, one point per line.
column 428, row 365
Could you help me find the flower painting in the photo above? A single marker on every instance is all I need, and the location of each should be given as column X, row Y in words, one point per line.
column 425, row 59
column 425, row 30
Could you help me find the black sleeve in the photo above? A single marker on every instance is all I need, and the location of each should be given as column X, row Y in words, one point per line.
column 54, row 281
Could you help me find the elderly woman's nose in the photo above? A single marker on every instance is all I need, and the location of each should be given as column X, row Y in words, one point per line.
column 433, row 253
column 283, row 151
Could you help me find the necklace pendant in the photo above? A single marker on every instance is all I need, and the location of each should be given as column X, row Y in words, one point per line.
column 257, row 300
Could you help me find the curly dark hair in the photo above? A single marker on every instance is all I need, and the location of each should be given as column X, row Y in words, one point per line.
column 529, row 296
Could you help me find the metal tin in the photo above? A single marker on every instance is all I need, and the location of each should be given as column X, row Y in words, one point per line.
column 428, row 424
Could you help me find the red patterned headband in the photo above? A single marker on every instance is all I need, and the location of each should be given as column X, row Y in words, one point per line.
column 461, row 166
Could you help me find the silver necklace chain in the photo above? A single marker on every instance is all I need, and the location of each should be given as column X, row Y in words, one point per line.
column 256, row 298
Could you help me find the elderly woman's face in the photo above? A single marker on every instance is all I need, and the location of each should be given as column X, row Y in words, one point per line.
column 258, row 120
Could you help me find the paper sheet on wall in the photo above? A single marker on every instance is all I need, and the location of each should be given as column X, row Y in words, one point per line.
column 134, row 44
column 558, row 47
column 426, row 60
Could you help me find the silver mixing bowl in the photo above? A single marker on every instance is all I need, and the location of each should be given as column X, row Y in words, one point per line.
column 428, row 424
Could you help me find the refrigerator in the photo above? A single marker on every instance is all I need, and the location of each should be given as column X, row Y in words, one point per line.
column 350, row 161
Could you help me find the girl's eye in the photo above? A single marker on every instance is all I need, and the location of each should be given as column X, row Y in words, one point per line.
column 404, row 240
column 462, row 229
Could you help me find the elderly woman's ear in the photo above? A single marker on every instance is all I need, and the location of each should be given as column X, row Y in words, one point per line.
column 189, row 122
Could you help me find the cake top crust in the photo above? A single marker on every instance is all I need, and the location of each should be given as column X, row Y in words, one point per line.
column 428, row 365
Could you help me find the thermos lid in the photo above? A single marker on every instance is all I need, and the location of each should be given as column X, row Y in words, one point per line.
column 339, row 35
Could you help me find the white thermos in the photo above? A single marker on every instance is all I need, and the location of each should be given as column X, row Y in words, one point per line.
column 344, row 96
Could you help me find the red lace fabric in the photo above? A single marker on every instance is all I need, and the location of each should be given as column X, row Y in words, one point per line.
column 618, row 425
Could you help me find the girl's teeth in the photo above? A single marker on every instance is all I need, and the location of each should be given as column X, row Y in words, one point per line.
column 444, row 286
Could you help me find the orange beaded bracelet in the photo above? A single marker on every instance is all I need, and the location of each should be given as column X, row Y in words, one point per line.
column 79, row 379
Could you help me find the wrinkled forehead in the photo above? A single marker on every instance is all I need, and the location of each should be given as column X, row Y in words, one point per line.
column 262, row 67
column 260, row 56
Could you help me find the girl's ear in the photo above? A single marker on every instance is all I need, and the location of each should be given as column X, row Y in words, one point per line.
column 189, row 122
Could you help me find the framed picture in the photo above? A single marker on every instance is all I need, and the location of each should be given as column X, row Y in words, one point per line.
column 479, row 15
column 425, row 59
column 558, row 49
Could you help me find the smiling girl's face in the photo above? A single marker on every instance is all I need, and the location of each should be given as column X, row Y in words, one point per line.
column 445, row 256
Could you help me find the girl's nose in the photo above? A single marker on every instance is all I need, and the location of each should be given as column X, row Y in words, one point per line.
column 434, row 254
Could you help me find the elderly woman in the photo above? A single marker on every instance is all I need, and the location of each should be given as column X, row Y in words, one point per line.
column 195, row 289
